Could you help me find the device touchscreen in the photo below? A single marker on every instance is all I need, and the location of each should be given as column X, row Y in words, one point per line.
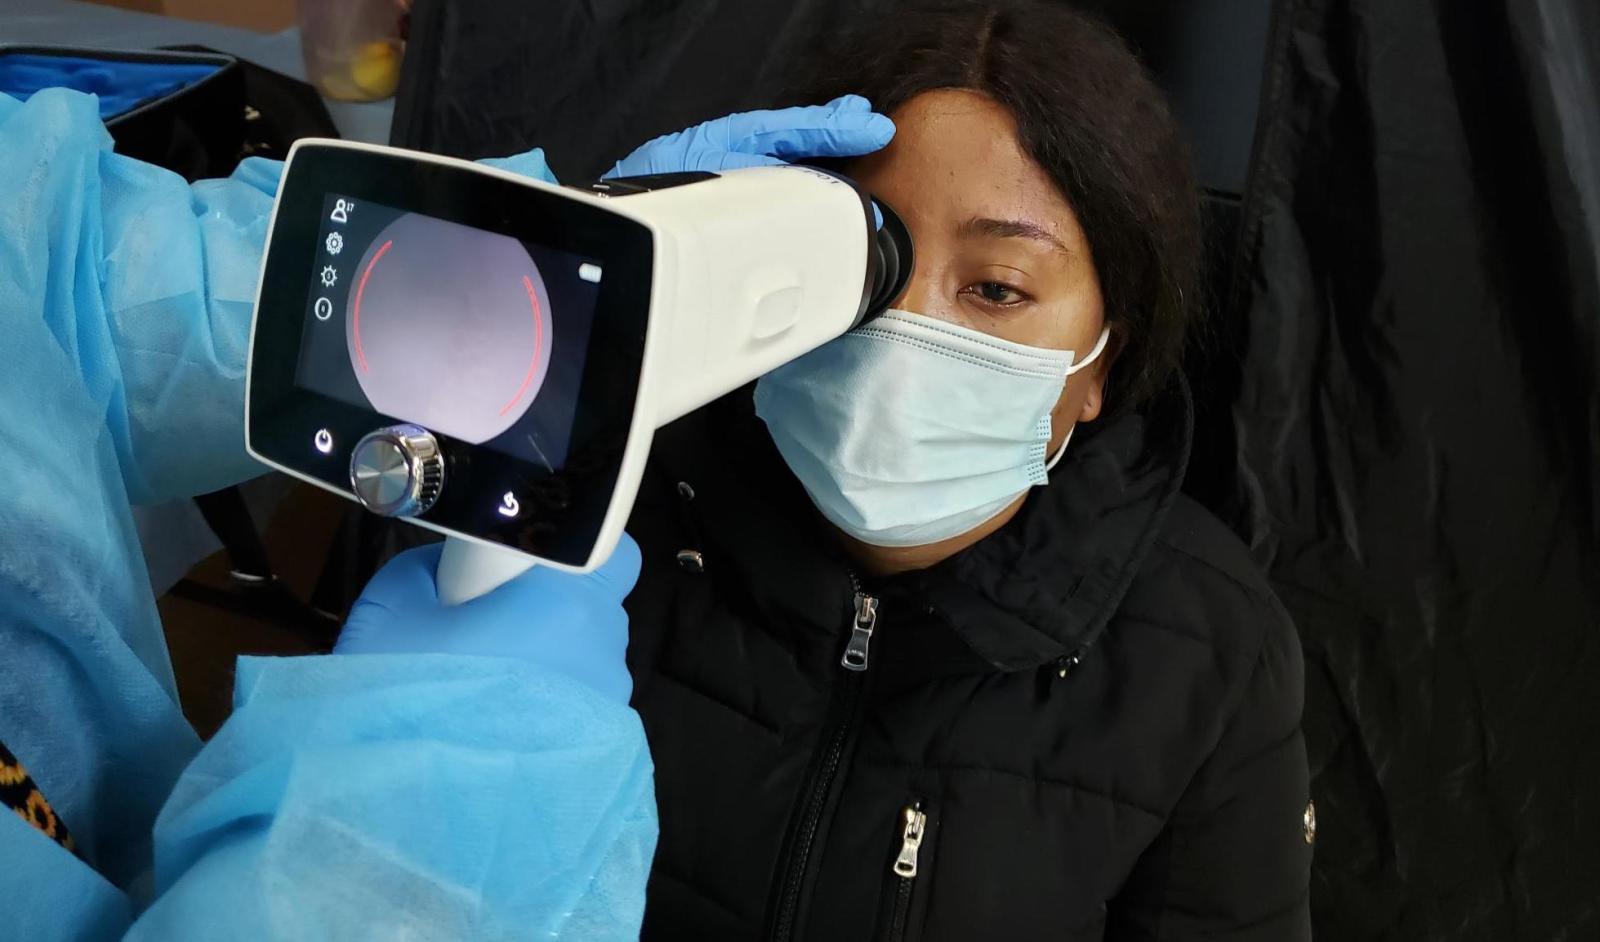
column 473, row 334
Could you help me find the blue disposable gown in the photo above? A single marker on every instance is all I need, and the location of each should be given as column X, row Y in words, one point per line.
column 354, row 797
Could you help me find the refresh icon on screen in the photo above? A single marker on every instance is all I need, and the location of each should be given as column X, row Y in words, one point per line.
column 509, row 507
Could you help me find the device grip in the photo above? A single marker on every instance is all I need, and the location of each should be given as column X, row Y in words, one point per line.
column 468, row 570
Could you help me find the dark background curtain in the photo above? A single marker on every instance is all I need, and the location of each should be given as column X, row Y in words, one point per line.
column 1399, row 405
column 1419, row 451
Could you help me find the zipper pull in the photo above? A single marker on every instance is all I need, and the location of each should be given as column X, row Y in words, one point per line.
column 905, row 865
column 855, row 652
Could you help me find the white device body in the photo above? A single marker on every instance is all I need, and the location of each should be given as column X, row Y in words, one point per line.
column 751, row 270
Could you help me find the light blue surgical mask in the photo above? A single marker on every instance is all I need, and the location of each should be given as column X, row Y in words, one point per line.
column 910, row 430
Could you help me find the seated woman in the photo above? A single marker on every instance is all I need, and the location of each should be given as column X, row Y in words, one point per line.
column 928, row 644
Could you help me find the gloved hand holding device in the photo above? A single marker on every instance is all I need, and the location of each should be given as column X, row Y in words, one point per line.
column 572, row 624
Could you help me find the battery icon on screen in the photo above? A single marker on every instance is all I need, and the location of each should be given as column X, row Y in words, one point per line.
column 589, row 272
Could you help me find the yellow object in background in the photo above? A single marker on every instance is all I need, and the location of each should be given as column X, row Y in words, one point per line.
column 376, row 69
column 352, row 48
column 369, row 72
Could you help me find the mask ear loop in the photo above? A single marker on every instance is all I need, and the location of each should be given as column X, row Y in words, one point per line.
column 1099, row 348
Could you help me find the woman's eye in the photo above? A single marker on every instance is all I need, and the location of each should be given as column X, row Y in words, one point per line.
column 998, row 292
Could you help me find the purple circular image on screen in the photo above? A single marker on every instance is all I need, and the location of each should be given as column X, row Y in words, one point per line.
column 448, row 327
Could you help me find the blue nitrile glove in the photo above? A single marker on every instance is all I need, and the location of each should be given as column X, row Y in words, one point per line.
column 569, row 623
column 844, row 127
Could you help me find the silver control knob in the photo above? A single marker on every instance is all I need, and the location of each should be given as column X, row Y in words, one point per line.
column 397, row 471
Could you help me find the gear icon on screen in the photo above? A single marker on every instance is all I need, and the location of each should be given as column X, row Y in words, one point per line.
column 335, row 243
column 330, row 276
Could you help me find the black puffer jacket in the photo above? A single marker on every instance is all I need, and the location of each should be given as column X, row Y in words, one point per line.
column 1093, row 714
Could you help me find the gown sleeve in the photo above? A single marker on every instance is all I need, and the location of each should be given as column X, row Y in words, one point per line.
column 418, row 796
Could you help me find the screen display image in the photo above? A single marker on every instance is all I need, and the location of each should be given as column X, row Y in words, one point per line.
column 468, row 333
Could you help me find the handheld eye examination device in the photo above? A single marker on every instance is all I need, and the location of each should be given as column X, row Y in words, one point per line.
column 489, row 356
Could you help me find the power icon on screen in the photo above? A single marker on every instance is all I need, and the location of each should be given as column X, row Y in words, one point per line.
column 324, row 440
column 509, row 506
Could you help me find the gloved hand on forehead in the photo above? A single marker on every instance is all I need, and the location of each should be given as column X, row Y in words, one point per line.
column 844, row 127
column 573, row 624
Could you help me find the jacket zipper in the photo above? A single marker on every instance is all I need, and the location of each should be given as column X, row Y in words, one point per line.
column 915, row 825
column 856, row 649
column 854, row 661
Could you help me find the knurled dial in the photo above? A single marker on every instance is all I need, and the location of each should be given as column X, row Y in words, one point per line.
column 397, row 471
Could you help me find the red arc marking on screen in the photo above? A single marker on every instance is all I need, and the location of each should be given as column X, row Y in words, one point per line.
column 538, row 344
column 361, row 356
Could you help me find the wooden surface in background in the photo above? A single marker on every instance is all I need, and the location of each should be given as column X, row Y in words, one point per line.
column 265, row 16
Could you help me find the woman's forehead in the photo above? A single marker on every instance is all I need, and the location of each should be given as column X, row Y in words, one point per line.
column 955, row 157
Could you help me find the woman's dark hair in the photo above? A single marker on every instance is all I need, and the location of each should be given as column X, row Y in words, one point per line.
column 1090, row 115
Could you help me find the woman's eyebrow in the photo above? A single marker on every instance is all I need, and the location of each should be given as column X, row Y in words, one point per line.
column 1010, row 229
